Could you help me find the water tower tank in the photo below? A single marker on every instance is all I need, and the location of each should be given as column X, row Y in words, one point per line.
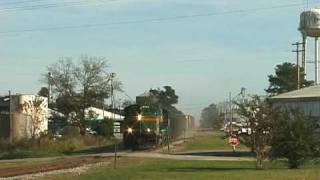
column 310, row 22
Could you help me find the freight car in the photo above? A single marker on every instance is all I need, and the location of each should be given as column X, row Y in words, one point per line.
column 144, row 126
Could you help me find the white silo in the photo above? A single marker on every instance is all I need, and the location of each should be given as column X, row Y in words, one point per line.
column 310, row 27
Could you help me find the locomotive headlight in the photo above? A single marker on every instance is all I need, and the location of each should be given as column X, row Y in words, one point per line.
column 130, row 130
column 148, row 130
column 139, row 118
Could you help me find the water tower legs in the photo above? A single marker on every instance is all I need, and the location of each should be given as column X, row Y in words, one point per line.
column 304, row 55
column 316, row 79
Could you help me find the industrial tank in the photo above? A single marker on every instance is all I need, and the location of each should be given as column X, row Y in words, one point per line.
column 310, row 23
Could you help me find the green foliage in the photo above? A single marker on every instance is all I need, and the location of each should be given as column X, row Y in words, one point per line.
column 166, row 97
column 259, row 117
column 80, row 84
column 210, row 117
column 66, row 103
column 44, row 91
column 70, row 131
column 285, row 79
column 105, row 128
column 296, row 138
column 47, row 146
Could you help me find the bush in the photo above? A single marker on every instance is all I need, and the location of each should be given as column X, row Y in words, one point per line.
column 49, row 146
column 105, row 128
column 5, row 145
column 71, row 131
column 295, row 138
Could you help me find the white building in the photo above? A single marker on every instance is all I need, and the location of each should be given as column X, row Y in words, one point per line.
column 100, row 114
column 23, row 116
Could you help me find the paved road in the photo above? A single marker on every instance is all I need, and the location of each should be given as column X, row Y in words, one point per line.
column 186, row 157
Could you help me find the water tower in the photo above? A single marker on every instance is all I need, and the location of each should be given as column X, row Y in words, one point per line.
column 310, row 27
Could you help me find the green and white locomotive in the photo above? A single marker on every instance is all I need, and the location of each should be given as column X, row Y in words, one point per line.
column 144, row 126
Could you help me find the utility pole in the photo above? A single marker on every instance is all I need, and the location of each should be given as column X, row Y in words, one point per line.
column 112, row 76
column 316, row 78
column 49, row 88
column 10, row 118
column 231, row 115
column 297, row 51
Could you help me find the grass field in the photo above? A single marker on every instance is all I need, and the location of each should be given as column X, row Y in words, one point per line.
column 163, row 169
column 133, row 168
column 210, row 141
column 52, row 148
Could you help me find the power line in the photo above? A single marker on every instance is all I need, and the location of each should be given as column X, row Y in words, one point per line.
column 20, row 2
column 127, row 95
column 49, row 5
column 240, row 11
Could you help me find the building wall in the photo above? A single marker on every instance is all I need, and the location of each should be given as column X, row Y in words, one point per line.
column 309, row 108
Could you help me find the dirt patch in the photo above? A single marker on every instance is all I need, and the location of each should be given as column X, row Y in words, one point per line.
column 44, row 167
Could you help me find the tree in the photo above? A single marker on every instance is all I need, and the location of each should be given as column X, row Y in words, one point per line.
column 79, row 85
column 285, row 79
column 34, row 109
column 62, row 77
column 44, row 92
column 210, row 117
column 296, row 138
column 259, row 118
column 166, row 97
column 94, row 83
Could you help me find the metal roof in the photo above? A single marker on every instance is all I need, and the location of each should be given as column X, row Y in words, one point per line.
column 308, row 93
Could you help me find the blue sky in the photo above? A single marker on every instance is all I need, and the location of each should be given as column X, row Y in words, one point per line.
column 203, row 58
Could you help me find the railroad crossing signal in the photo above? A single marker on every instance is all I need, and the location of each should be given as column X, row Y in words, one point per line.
column 233, row 141
column 117, row 130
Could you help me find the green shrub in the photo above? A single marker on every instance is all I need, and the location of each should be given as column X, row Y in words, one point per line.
column 5, row 145
column 105, row 128
column 47, row 146
column 296, row 138
column 71, row 131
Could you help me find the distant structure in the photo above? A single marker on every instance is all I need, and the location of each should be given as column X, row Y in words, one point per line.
column 190, row 122
column 310, row 27
column 100, row 114
column 15, row 122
